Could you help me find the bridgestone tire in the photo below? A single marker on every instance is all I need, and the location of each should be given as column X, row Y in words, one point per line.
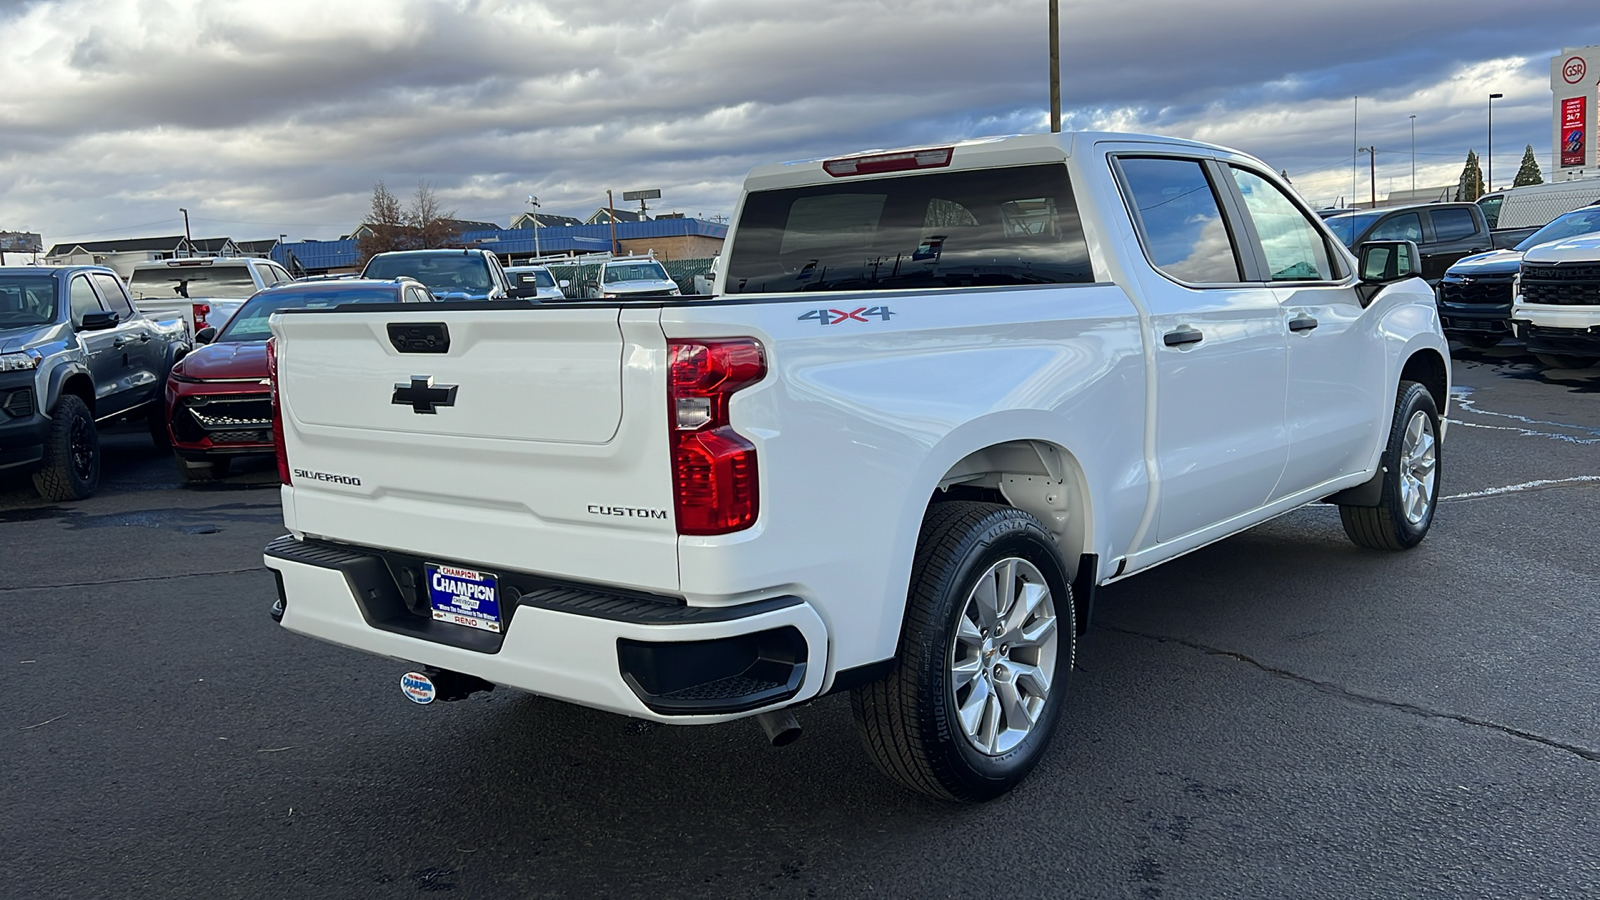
column 1385, row 526
column 69, row 472
column 202, row 470
column 906, row 719
column 1564, row 360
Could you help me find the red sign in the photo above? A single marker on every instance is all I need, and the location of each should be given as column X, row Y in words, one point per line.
column 1574, row 132
column 1574, row 69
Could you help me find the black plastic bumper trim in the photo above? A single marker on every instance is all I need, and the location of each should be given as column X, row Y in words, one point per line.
column 385, row 584
column 716, row 676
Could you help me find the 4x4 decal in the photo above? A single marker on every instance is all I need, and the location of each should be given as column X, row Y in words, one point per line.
column 835, row 316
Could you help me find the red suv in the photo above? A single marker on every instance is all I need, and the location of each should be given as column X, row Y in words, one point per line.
column 219, row 402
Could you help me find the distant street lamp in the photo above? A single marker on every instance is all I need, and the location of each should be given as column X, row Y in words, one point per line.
column 534, row 202
column 1413, row 157
column 1489, row 168
column 186, row 235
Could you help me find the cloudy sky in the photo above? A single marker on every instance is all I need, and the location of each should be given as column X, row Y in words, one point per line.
column 268, row 117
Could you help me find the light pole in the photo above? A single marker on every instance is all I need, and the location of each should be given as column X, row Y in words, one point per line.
column 186, row 235
column 1055, row 67
column 1355, row 148
column 1413, row 158
column 534, row 202
column 1372, row 180
column 1488, row 169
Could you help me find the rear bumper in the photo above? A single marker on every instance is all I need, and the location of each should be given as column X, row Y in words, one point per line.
column 647, row 657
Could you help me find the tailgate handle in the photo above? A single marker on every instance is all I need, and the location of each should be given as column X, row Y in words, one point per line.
column 419, row 337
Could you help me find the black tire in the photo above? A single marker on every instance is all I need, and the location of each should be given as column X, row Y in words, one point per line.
column 1564, row 360
column 71, row 467
column 156, row 421
column 1478, row 341
column 203, row 469
column 1387, row 525
column 907, row 720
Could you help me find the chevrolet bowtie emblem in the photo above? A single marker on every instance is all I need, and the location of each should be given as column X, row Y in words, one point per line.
column 422, row 396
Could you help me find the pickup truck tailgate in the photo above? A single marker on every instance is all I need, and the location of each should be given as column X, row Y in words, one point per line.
column 493, row 437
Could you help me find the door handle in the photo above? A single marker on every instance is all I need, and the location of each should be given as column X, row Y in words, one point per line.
column 119, row 343
column 1302, row 323
column 144, row 337
column 1182, row 336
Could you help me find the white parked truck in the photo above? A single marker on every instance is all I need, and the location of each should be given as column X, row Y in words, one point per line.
column 1555, row 304
column 205, row 290
column 943, row 394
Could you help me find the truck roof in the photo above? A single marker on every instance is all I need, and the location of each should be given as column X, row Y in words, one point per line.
column 970, row 153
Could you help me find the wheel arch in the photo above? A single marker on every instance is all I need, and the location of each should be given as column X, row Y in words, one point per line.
column 1015, row 458
column 1427, row 367
column 71, row 379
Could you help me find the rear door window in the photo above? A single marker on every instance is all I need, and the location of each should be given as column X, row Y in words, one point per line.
column 1180, row 220
column 1453, row 224
column 112, row 293
column 978, row 228
column 193, row 282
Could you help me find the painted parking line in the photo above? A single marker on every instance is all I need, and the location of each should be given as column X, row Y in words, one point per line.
column 1518, row 488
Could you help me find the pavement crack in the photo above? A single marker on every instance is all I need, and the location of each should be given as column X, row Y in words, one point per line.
column 73, row 584
column 1343, row 692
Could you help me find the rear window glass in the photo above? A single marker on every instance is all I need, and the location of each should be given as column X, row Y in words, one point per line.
column 949, row 229
column 250, row 322
column 197, row 282
column 447, row 273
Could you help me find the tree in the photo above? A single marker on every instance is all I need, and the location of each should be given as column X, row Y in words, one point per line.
column 1528, row 172
column 1470, row 186
column 430, row 227
column 389, row 227
column 385, row 226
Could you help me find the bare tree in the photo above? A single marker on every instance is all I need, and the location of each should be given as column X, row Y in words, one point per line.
column 430, row 227
column 386, row 227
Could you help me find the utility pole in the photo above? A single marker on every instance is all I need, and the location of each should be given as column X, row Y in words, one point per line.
column 1372, row 180
column 1488, row 169
column 534, row 202
column 1413, row 157
column 1055, row 67
column 611, row 213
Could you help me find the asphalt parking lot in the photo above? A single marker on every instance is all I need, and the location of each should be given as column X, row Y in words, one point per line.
column 1278, row 715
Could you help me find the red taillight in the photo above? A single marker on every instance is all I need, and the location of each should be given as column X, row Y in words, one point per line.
column 278, row 448
column 201, row 312
column 878, row 163
column 713, row 466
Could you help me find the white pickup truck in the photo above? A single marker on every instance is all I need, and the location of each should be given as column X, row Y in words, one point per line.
column 943, row 394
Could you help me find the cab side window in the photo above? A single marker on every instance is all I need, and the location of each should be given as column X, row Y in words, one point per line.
column 116, row 299
column 1453, row 224
column 1180, row 220
column 83, row 300
column 1295, row 249
column 1405, row 227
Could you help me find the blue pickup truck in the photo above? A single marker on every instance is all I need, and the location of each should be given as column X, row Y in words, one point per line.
column 75, row 354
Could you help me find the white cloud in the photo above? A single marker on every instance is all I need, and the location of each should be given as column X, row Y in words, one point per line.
column 263, row 118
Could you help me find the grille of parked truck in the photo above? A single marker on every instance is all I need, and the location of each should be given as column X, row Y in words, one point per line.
column 943, row 394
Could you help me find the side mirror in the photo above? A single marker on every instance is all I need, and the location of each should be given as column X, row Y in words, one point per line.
column 521, row 291
column 564, row 284
column 99, row 320
column 1385, row 262
column 206, row 335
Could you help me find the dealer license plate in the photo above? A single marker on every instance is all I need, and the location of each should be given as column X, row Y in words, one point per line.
column 464, row 597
